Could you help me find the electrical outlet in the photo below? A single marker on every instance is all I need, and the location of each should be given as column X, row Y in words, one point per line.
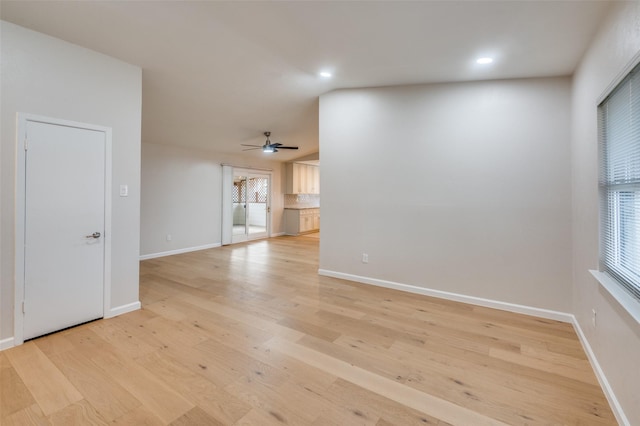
column 365, row 258
column 593, row 317
column 168, row 237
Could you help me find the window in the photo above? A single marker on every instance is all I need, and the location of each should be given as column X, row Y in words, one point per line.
column 619, row 126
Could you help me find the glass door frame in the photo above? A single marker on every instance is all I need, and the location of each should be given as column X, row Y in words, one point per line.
column 248, row 205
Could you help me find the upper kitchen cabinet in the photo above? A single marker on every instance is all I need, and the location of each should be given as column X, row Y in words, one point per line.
column 302, row 179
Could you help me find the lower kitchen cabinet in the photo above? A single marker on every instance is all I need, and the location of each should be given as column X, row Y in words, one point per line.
column 300, row 221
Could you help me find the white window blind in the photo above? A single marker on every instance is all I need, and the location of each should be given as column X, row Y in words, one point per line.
column 619, row 126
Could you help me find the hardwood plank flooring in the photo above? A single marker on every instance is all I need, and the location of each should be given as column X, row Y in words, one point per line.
column 49, row 387
column 249, row 334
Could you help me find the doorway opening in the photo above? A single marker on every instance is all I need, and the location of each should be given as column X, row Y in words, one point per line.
column 247, row 204
column 250, row 207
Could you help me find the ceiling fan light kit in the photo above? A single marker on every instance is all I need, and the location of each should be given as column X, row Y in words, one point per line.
column 268, row 147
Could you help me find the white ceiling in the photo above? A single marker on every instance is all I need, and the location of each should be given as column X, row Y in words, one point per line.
column 218, row 74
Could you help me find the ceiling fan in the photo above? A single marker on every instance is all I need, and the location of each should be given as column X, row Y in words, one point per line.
column 268, row 146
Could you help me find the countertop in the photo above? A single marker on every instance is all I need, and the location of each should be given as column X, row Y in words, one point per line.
column 300, row 208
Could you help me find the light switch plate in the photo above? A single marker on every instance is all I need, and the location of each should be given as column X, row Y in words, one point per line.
column 124, row 190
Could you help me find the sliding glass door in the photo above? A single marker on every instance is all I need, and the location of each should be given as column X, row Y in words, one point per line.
column 251, row 206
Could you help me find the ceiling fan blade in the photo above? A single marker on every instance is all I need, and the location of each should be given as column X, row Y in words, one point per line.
column 268, row 146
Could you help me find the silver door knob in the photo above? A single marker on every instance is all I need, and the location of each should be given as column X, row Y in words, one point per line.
column 94, row 235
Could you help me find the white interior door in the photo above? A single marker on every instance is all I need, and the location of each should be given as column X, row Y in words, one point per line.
column 64, row 227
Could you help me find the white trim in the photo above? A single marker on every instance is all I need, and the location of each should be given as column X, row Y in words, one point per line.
column 119, row 310
column 619, row 77
column 21, row 133
column 277, row 234
column 18, row 315
column 226, row 206
column 107, row 219
column 178, row 251
column 602, row 379
column 246, row 167
column 626, row 300
column 6, row 343
column 496, row 304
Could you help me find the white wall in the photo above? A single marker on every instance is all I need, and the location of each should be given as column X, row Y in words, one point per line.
column 463, row 188
column 182, row 196
column 616, row 339
column 46, row 76
column 180, row 193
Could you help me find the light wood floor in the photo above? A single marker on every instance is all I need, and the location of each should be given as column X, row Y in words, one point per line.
column 251, row 335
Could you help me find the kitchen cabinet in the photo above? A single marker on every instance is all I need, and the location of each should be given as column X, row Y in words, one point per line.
column 313, row 179
column 302, row 178
column 300, row 221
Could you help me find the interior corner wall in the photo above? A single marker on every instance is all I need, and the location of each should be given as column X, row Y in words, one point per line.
column 615, row 340
column 46, row 76
column 462, row 188
column 182, row 197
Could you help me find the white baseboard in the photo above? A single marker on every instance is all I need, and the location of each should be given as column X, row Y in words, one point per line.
column 119, row 310
column 114, row 312
column 178, row 251
column 472, row 300
column 602, row 379
column 6, row 343
column 278, row 234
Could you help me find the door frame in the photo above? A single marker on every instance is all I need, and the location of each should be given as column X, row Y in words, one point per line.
column 228, row 173
column 21, row 134
column 252, row 173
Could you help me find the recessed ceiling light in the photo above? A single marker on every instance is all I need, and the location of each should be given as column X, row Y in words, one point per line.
column 484, row 61
column 325, row 74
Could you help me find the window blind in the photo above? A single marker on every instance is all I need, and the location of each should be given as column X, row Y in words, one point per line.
column 619, row 128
